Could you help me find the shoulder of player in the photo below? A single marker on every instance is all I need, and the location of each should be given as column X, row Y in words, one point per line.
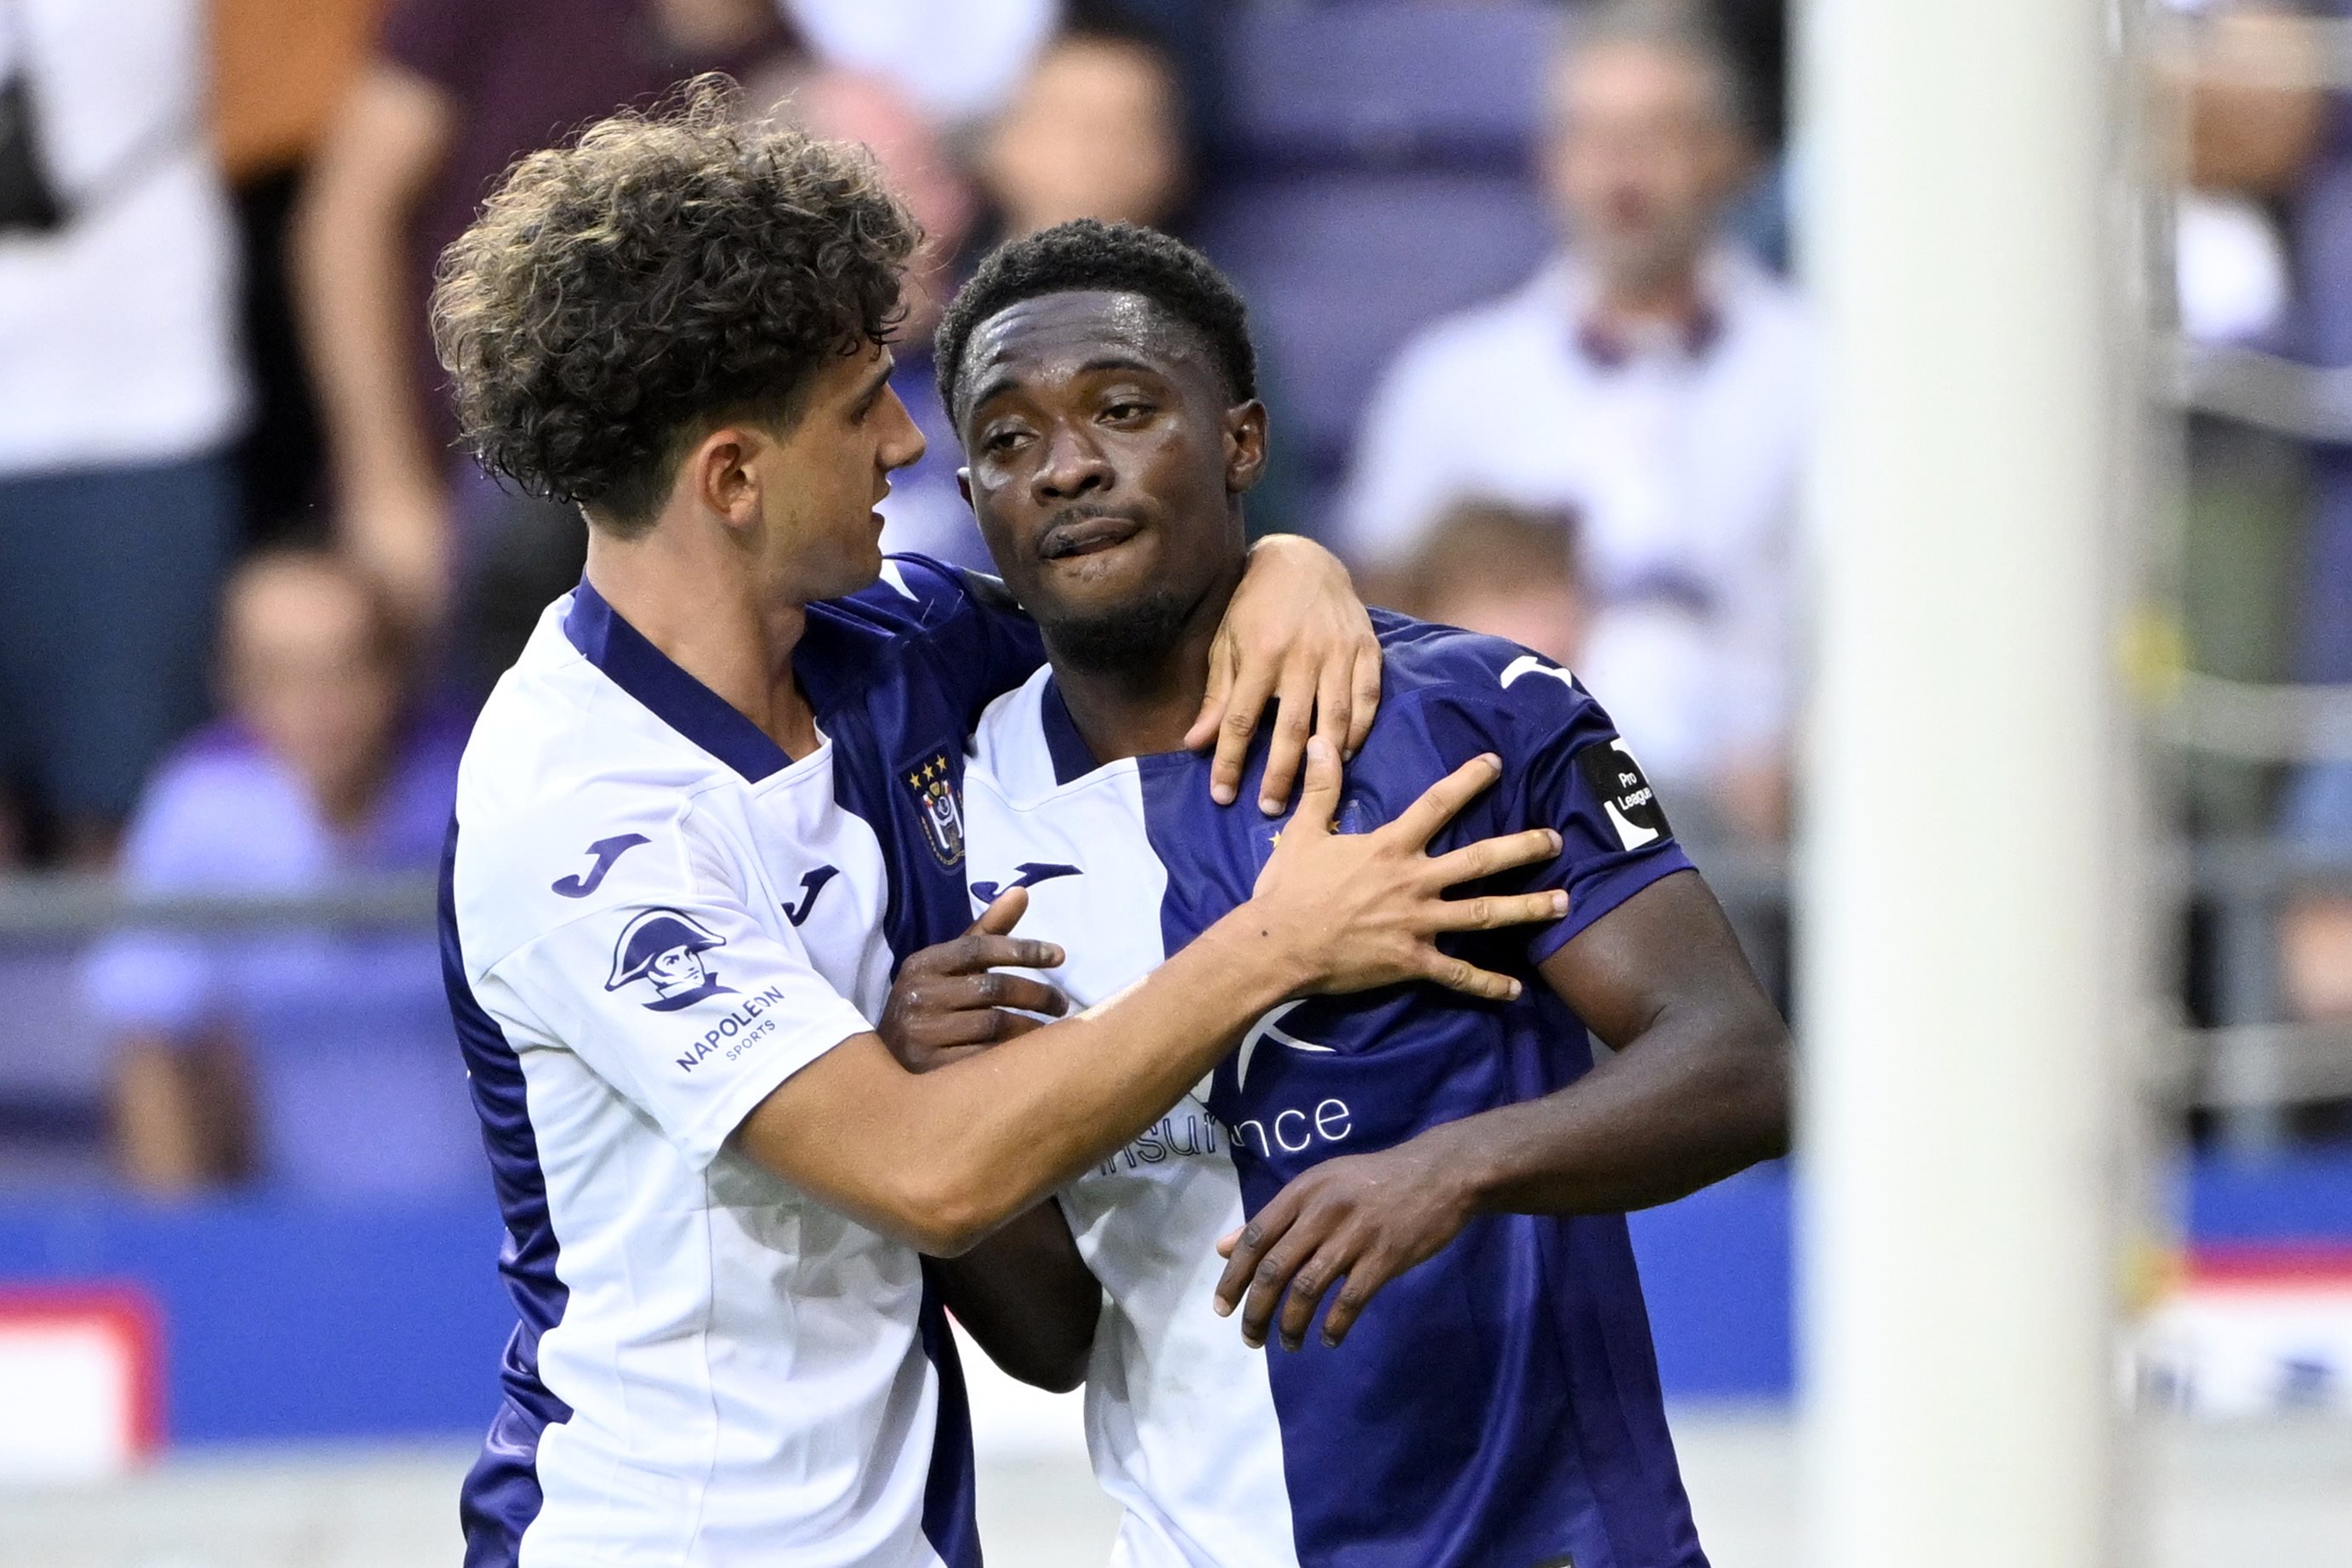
column 1426, row 664
column 548, row 832
column 908, row 629
column 914, row 593
column 551, row 726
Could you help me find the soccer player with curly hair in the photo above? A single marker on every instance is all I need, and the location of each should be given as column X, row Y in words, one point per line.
column 709, row 810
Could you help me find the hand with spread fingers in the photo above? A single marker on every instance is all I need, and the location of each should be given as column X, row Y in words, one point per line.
column 1356, row 1222
column 1370, row 906
column 955, row 999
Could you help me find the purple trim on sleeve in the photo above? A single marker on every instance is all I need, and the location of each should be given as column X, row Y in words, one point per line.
column 1605, row 893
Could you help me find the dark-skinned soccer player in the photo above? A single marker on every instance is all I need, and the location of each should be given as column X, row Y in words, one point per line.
column 1442, row 1180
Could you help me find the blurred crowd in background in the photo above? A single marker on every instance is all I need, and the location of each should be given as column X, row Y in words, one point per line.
column 1520, row 277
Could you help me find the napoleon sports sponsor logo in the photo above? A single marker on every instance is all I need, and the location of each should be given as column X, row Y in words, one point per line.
column 733, row 1034
column 605, row 850
column 661, row 950
column 1030, row 873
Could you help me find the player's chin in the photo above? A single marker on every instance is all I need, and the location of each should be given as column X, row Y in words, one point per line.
column 857, row 564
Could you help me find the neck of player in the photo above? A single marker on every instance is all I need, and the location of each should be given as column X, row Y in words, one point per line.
column 697, row 595
column 1144, row 704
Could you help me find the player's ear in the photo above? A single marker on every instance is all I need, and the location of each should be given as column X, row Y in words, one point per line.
column 1244, row 446
column 725, row 479
column 963, row 489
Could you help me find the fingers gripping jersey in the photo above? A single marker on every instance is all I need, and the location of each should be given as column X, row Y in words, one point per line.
column 651, row 919
column 1497, row 1407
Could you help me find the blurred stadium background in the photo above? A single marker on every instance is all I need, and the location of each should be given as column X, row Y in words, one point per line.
column 1542, row 354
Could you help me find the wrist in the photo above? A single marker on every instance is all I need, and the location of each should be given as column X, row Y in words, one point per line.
column 1297, row 552
column 1470, row 1167
column 1260, row 964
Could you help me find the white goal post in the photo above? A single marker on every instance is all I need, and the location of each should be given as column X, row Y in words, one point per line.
column 1967, row 854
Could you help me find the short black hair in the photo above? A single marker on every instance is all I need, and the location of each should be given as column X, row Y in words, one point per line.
column 1118, row 257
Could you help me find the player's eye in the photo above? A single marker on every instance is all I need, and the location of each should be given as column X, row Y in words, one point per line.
column 1002, row 440
column 1126, row 409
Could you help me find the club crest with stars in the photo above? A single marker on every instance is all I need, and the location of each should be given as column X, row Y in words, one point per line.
column 939, row 809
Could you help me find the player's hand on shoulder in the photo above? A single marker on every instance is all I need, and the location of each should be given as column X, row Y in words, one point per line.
column 955, row 999
column 1366, row 909
column 1296, row 634
column 1356, row 1222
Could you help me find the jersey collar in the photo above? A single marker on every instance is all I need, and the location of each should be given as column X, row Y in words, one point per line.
column 1073, row 759
column 673, row 696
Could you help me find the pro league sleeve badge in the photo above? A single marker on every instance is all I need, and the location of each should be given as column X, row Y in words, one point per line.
column 1634, row 811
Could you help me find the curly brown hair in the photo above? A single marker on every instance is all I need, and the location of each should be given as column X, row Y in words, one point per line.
column 662, row 274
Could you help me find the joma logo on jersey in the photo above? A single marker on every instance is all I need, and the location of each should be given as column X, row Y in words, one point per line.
column 1032, row 872
column 938, row 809
column 604, row 852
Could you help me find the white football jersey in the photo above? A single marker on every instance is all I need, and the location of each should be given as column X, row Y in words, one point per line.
column 652, row 918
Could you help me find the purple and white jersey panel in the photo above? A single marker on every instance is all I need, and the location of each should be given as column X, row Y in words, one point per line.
column 1497, row 1407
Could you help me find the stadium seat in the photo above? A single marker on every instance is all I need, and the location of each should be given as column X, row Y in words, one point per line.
column 1374, row 151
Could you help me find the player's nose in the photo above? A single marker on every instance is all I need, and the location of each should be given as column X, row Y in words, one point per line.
column 1073, row 466
column 902, row 444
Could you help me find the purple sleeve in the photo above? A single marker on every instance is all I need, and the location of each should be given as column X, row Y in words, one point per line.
column 1571, row 772
column 979, row 643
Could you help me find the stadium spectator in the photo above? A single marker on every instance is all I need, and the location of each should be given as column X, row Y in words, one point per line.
column 1649, row 380
column 279, row 69
column 1097, row 131
column 120, row 395
column 1504, row 570
column 313, row 1059
column 458, row 90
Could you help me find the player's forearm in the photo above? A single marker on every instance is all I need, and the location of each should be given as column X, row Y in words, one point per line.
column 1026, row 1296
column 1007, row 1127
column 1694, row 1098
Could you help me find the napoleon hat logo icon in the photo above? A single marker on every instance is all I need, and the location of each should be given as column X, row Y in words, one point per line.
column 663, row 948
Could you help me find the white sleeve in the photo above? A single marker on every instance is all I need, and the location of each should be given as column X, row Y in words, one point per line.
column 671, row 991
